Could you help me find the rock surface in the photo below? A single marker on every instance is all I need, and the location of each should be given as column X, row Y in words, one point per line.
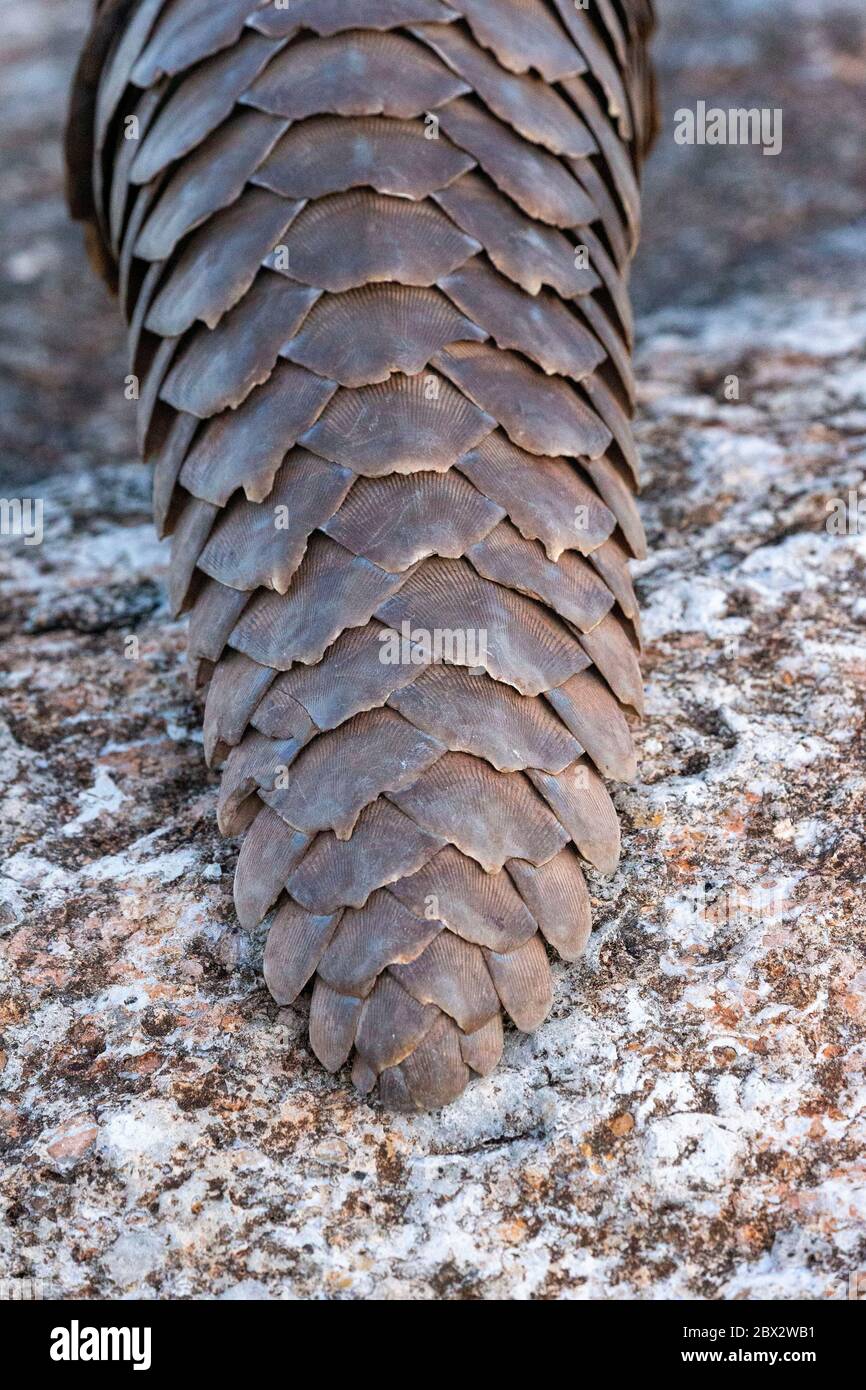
column 689, row 1123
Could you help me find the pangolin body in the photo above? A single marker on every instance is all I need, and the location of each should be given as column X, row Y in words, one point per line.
column 373, row 255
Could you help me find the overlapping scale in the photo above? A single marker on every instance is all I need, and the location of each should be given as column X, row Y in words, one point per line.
column 329, row 154
column 403, row 425
column 327, row 17
column 217, row 368
column 357, row 73
column 400, row 519
column 535, row 180
column 353, row 239
column 523, row 35
column 362, row 337
column 199, row 104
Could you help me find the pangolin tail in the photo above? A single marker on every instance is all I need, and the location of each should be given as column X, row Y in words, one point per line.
column 373, row 255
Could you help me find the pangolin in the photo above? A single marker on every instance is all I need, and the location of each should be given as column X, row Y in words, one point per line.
column 373, row 255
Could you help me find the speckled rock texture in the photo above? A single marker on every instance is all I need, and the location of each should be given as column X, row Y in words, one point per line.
column 689, row 1123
